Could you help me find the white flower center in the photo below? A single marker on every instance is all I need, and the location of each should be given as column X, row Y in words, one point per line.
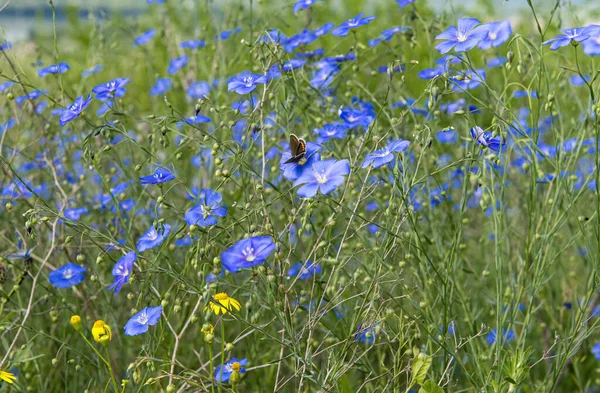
column 493, row 36
column 68, row 274
column 143, row 319
column 248, row 81
column 249, row 254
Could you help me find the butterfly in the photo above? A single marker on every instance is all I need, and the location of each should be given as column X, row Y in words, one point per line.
column 297, row 149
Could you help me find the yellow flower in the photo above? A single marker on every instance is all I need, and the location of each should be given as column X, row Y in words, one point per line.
column 76, row 322
column 101, row 332
column 222, row 304
column 7, row 377
column 207, row 328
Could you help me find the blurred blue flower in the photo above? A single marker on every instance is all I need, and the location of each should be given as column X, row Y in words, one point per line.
column 508, row 335
column 337, row 130
column 67, row 275
column 5, row 86
column 161, row 86
column 498, row 34
column 321, row 31
column 304, row 270
column 591, row 46
column 153, row 238
column 450, row 136
column 303, row 4
column 75, row 214
column 468, row 79
column 111, row 89
column 292, row 65
column 404, row 3
column 206, row 212
column 245, row 82
column 324, row 75
column 496, row 62
column 177, row 63
column 223, row 372
column 577, row 80
column 462, row 38
column 247, row 253
column 383, row 156
column 139, row 323
column 53, row 69
column 144, row 37
column 75, row 109
column 91, row 71
column 122, row 271
column 160, row 176
column 192, row 44
column 198, row 90
column 351, row 24
column 366, row 333
column 324, row 176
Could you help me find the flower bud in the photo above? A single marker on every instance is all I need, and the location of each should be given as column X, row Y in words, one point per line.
column 76, row 322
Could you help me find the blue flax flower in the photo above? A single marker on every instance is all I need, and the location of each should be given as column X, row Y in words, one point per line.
column 325, row 176
column 498, row 34
column 247, row 253
column 122, row 271
column 468, row 79
column 591, row 46
column 303, row 4
column 138, row 324
column 74, row 110
column 508, row 336
column 351, row 24
column 91, row 71
column 198, row 89
column 366, row 333
column 206, row 212
column 144, row 38
column 404, row 3
column 337, row 130
column 462, row 38
column 496, row 62
column 192, row 44
column 324, row 75
column 294, row 170
column 304, row 270
column 67, row 275
column 177, row 64
column 54, row 69
column 485, row 139
column 161, row 86
column 160, row 176
column 153, row 238
column 570, row 36
column 383, row 156
column 596, row 351
column 245, row 82
column 111, row 89
column 223, row 372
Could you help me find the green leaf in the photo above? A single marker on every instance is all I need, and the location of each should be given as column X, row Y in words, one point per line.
column 419, row 369
column 430, row 386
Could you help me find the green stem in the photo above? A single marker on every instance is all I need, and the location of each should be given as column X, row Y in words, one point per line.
column 212, row 370
column 222, row 351
column 112, row 374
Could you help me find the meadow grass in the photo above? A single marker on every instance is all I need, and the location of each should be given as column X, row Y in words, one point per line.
column 458, row 262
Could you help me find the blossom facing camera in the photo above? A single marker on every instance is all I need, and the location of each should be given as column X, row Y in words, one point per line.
column 245, row 82
column 485, row 139
column 153, row 238
column 222, row 304
column 75, row 321
column 247, row 253
column 67, row 276
column 160, row 176
column 463, row 37
column 54, row 69
column 139, row 323
column 324, row 176
column 101, row 332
